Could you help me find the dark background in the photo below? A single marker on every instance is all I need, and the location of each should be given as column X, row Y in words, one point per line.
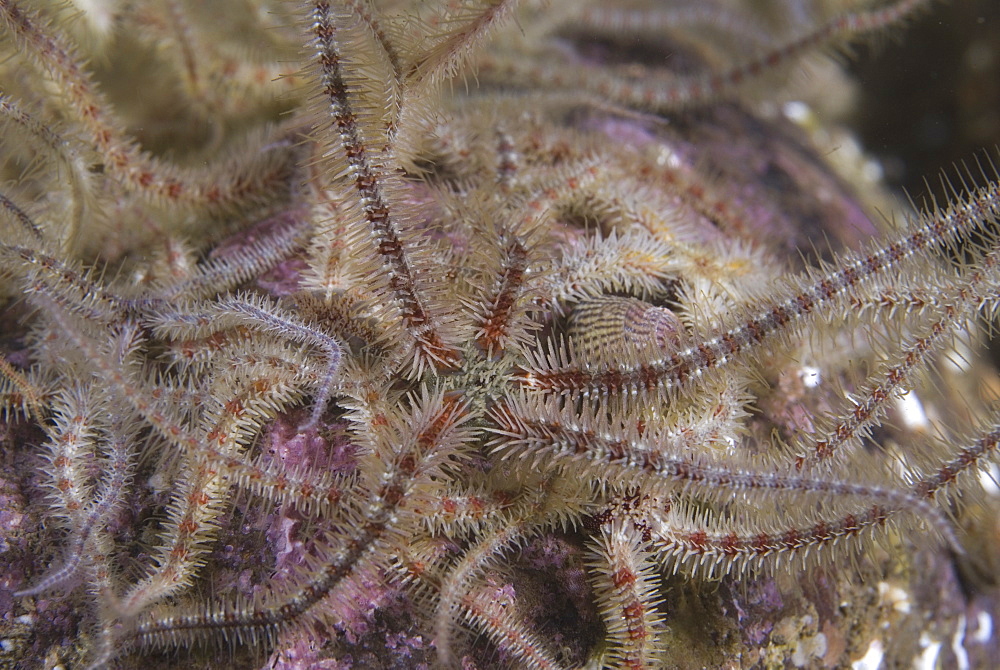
column 930, row 95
